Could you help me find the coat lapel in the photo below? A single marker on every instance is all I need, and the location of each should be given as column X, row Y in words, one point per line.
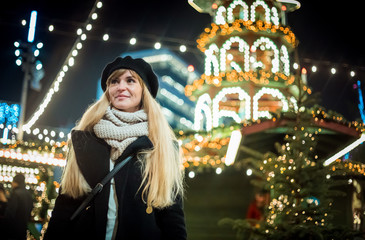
column 92, row 155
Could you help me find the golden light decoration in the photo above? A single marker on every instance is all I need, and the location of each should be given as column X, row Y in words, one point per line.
column 239, row 25
column 261, row 77
column 35, row 156
column 204, row 143
column 350, row 167
column 207, row 160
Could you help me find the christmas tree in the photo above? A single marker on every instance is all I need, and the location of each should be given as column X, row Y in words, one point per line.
column 302, row 188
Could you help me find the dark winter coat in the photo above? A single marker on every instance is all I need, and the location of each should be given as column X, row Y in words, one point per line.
column 92, row 155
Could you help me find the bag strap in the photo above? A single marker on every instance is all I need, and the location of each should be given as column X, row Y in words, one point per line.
column 99, row 187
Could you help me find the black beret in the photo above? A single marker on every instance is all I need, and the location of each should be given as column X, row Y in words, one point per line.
column 138, row 65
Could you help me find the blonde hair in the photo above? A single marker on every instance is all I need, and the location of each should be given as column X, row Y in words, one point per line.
column 162, row 175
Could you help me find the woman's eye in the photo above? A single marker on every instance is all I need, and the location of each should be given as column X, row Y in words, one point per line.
column 131, row 80
column 114, row 81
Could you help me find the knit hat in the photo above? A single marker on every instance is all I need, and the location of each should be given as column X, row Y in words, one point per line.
column 140, row 66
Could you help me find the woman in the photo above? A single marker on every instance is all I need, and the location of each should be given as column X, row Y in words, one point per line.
column 144, row 199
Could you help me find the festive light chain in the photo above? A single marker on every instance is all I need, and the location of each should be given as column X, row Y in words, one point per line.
column 231, row 7
column 276, row 94
column 261, row 77
column 320, row 115
column 206, row 160
column 213, row 111
column 68, row 63
column 203, row 104
column 7, row 172
column 220, row 19
column 250, row 62
column 202, row 141
column 37, row 152
column 198, row 144
column 183, row 48
column 238, row 26
column 217, row 114
column 58, row 148
column 314, row 67
column 48, row 135
column 46, row 158
column 350, row 167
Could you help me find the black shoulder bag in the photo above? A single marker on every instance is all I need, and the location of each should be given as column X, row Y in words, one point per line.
column 99, row 187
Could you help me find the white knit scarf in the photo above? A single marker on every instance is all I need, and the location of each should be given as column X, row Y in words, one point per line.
column 119, row 129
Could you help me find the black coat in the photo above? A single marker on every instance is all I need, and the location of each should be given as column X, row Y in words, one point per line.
column 92, row 155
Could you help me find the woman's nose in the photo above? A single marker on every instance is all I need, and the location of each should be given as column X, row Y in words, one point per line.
column 122, row 85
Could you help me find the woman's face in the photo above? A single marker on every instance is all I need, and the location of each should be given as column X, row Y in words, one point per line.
column 125, row 92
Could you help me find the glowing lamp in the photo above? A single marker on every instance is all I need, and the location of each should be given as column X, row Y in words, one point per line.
column 233, row 146
column 345, row 150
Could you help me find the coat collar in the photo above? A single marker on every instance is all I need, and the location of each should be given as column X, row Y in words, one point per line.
column 93, row 154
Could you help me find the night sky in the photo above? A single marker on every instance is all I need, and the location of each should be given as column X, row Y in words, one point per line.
column 329, row 35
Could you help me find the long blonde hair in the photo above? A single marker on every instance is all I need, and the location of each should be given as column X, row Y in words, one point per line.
column 162, row 175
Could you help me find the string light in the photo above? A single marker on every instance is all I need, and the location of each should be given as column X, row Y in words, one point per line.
column 133, row 41
column 68, row 63
column 333, row 70
column 211, row 108
column 89, row 27
column 7, row 172
column 157, row 45
column 238, row 26
column 50, row 28
column 106, row 37
column 221, row 19
column 35, row 157
column 182, row 48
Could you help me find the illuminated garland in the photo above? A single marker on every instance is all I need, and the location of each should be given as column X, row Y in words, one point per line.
column 41, row 152
column 35, row 157
column 350, row 167
column 202, row 143
column 261, row 77
column 213, row 112
column 319, row 115
column 7, row 172
column 238, row 26
column 68, row 63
